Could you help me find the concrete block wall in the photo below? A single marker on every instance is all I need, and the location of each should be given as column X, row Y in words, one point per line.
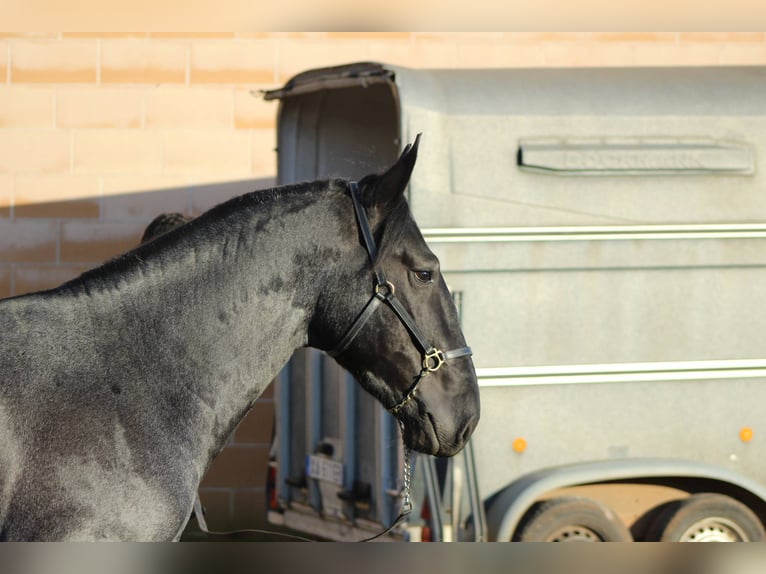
column 100, row 132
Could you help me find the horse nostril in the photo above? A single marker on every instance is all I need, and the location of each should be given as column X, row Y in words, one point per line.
column 466, row 434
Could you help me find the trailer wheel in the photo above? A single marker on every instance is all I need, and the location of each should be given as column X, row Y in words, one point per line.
column 571, row 519
column 706, row 517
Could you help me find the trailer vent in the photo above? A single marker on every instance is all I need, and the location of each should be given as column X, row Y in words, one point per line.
column 630, row 156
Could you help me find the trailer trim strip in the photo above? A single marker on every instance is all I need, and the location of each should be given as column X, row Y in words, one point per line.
column 594, row 233
column 621, row 373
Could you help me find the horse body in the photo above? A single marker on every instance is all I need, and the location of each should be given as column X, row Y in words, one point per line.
column 118, row 388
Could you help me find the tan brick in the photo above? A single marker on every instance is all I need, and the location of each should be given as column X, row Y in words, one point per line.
column 26, row 107
column 28, row 241
column 451, row 36
column 29, row 278
column 635, row 36
column 253, row 35
column 117, row 151
column 654, row 55
column 547, row 37
column 99, row 107
column 146, row 205
column 700, row 54
column 744, row 55
column 614, row 55
column 35, row 35
column 244, row 62
column 302, row 35
column 498, row 55
column 142, row 62
column 39, row 151
column 208, row 150
column 98, row 35
column 561, row 55
column 198, row 107
column 207, row 190
column 264, row 153
column 369, row 35
column 137, row 184
column 193, row 35
column 3, row 62
column 252, row 111
column 143, row 197
column 425, row 53
column 716, row 37
column 238, row 467
column 93, row 242
column 57, row 196
column 53, row 62
column 299, row 56
column 258, row 425
column 6, row 195
column 5, row 281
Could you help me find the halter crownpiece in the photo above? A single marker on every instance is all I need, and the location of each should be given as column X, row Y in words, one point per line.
column 385, row 292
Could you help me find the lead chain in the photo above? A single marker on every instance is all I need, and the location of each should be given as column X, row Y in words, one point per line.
column 407, row 474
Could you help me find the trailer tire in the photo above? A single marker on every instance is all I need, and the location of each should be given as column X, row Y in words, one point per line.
column 571, row 519
column 706, row 517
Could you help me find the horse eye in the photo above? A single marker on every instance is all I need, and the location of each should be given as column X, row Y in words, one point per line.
column 423, row 276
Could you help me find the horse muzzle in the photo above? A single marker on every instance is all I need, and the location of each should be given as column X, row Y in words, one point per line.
column 440, row 427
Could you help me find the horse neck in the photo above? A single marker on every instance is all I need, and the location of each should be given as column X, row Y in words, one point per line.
column 218, row 310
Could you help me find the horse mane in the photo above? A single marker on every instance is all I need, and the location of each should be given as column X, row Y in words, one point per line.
column 206, row 225
column 172, row 230
column 162, row 224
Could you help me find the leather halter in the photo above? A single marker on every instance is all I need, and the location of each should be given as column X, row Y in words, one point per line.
column 385, row 292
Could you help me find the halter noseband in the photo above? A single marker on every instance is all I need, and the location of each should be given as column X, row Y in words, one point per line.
column 385, row 292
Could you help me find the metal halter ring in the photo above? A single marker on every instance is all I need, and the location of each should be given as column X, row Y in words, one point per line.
column 433, row 359
column 387, row 286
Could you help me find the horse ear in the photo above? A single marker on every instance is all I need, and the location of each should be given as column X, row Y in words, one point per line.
column 388, row 187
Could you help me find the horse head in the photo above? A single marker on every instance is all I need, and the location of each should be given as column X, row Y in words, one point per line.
column 391, row 320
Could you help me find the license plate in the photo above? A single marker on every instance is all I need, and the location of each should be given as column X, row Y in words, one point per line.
column 324, row 469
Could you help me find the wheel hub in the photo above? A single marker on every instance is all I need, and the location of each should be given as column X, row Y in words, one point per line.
column 574, row 533
column 714, row 529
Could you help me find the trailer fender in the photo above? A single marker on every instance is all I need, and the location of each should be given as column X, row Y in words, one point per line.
column 506, row 508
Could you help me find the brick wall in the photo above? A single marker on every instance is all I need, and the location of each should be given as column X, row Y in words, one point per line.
column 101, row 132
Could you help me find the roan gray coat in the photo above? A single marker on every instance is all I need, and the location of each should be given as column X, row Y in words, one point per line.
column 119, row 387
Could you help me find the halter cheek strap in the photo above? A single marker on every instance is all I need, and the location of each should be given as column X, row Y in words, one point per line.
column 385, row 292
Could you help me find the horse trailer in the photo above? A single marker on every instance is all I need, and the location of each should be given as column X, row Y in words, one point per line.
column 603, row 232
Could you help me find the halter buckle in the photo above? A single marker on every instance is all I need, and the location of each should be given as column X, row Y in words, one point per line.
column 433, row 359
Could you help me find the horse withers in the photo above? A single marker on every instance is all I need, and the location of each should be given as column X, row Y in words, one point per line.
column 119, row 387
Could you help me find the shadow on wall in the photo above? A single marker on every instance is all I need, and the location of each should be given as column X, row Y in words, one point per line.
column 44, row 244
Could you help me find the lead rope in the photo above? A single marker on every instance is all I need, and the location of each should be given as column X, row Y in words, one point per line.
column 406, row 507
column 407, row 472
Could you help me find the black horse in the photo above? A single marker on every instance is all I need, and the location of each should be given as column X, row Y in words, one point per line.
column 119, row 387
